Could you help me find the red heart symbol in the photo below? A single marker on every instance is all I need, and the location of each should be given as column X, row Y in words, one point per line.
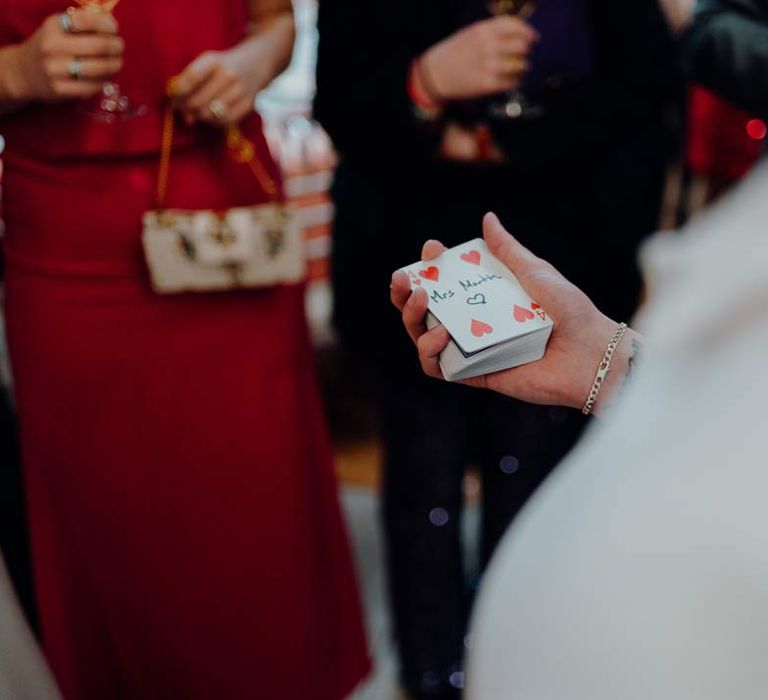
column 522, row 315
column 479, row 329
column 535, row 306
column 471, row 257
column 431, row 273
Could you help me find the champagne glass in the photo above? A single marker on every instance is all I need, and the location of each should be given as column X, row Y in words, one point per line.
column 111, row 103
column 516, row 104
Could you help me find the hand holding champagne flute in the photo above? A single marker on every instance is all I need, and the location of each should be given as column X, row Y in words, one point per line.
column 68, row 57
column 111, row 102
column 477, row 60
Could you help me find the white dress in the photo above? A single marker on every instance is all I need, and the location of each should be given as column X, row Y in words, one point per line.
column 23, row 674
column 640, row 570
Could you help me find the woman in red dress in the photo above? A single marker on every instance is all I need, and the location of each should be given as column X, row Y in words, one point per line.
column 186, row 532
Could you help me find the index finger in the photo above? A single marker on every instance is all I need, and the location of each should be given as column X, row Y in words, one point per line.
column 514, row 26
column 90, row 21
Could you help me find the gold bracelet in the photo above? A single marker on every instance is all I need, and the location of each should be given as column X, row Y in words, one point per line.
column 603, row 369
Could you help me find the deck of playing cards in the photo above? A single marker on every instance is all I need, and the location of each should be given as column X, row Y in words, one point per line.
column 493, row 323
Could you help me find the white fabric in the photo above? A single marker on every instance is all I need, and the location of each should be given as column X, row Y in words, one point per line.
column 640, row 570
column 23, row 675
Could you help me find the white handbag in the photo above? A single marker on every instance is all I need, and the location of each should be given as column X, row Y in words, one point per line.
column 205, row 250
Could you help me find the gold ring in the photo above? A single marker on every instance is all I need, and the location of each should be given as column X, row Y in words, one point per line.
column 514, row 66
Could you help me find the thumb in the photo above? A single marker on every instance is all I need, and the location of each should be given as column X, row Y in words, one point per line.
column 533, row 273
column 508, row 249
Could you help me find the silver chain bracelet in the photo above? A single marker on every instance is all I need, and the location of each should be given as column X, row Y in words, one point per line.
column 602, row 370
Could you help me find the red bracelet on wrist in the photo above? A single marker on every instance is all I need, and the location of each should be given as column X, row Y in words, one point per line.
column 420, row 97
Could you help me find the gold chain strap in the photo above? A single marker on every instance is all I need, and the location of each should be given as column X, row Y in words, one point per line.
column 241, row 149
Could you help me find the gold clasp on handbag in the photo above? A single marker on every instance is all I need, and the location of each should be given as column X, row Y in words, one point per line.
column 221, row 232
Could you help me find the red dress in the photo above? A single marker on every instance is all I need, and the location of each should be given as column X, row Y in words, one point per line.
column 187, row 537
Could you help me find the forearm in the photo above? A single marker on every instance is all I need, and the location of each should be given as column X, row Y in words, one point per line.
column 266, row 52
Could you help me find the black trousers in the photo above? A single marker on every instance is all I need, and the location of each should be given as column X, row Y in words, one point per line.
column 586, row 218
column 14, row 541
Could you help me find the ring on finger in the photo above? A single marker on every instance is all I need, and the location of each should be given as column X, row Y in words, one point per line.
column 65, row 21
column 218, row 109
column 513, row 66
column 75, row 68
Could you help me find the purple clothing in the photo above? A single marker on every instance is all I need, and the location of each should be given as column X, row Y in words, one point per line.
column 564, row 52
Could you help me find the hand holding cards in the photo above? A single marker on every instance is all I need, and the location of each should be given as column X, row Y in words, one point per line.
column 493, row 324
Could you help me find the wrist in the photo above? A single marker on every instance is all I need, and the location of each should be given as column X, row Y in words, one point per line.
column 620, row 365
column 428, row 76
column 239, row 61
column 265, row 52
column 422, row 99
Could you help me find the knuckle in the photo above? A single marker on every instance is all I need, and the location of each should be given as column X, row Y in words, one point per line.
column 49, row 67
column 511, row 22
column 50, row 26
column 210, row 58
column 479, row 33
column 104, row 47
column 84, row 21
column 106, row 24
column 48, row 46
column 59, row 88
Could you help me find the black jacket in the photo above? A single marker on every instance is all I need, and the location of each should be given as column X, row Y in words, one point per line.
column 726, row 50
